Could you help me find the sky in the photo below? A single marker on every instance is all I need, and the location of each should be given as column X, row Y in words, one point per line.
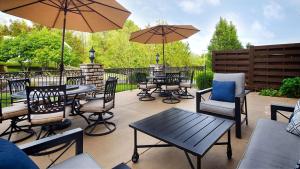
column 259, row 22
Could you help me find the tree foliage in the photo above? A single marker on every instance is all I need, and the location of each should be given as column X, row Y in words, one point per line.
column 224, row 38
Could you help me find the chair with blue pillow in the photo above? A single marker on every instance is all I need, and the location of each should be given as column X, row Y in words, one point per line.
column 227, row 99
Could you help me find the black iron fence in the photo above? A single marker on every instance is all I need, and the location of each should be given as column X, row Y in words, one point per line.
column 126, row 78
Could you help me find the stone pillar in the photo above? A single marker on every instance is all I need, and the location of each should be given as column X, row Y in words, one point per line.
column 94, row 74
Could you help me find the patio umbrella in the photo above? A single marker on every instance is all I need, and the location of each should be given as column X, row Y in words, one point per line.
column 78, row 15
column 162, row 34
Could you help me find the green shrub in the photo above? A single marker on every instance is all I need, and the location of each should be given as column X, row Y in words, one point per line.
column 204, row 80
column 270, row 92
column 291, row 87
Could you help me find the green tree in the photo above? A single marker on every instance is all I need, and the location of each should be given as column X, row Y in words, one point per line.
column 224, row 38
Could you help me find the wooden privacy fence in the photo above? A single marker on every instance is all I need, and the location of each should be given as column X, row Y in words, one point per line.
column 265, row 66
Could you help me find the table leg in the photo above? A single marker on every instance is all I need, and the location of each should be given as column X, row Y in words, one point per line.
column 135, row 156
column 229, row 151
column 198, row 162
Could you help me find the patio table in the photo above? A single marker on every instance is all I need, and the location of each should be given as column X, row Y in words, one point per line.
column 194, row 133
column 72, row 90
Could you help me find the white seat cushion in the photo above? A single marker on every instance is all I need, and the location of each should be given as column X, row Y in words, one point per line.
column 96, row 106
column 14, row 111
column 218, row 107
column 170, row 87
column 38, row 119
column 148, row 86
column 79, row 161
column 186, row 84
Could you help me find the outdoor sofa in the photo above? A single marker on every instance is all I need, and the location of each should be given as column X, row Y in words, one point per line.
column 11, row 155
column 271, row 146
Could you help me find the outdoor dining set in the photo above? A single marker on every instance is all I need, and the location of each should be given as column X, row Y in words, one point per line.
column 173, row 86
column 49, row 107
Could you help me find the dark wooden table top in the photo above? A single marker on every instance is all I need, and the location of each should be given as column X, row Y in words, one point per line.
column 193, row 132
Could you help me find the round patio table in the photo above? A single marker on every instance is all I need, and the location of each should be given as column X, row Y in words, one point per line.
column 72, row 90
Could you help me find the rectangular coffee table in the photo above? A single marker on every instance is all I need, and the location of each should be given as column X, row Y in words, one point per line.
column 194, row 133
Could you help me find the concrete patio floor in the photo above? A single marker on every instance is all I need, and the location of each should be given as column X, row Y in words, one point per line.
column 117, row 147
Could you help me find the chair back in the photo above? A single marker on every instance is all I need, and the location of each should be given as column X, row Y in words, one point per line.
column 46, row 100
column 172, row 78
column 76, row 80
column 238, row 78
column 109, row 91
column 141, row 77
column 187, row 74
column 17, row 85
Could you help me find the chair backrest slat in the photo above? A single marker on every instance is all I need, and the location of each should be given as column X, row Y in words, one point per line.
column 76, row 80
column 110, row 90
column 46, row 99
column 172, row 78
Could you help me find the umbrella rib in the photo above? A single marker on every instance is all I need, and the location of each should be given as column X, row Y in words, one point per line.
column 56, row 18
column 21, row 6
column 54, row 3
column 81, row 5
column 150, row 29
column 177, row 33
column 101, row 15
column 183, row 28
column 83, row 16
column 149, row 38
column 50, row 4
column 109, row 6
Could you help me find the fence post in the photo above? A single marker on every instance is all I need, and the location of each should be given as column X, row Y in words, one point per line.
column 251, row 68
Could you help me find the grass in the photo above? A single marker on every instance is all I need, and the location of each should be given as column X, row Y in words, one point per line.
column 124, row 87
column 5, row 99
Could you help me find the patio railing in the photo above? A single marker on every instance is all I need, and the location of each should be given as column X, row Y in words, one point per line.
column 126, row 78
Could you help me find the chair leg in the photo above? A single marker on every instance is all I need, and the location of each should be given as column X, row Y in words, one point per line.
column 170, row 99
column 14, row 128
column 246, row 111
column 186, row 94
column 108, row 126
column 146, row 96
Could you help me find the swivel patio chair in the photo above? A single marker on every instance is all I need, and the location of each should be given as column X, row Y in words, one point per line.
column 230, row 110
column 17, row 85
column 74, row 100
column 99, row 107
column 145, row 86
column 171, row 88
column 15, row 114
column 186, row 83
column 46, row 107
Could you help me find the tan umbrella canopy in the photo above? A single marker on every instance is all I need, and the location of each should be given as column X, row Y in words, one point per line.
column 162, row 34
column 79, row 15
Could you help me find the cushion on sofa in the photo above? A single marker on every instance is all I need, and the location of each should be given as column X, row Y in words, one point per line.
column 79, row 161
column 12, row 157
column 294, row 124
column 223, row 91
column 271, row 146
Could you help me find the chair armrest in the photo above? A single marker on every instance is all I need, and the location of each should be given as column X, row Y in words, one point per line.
column 276, row 108
column 247, row 92
column 204, row 91
column 199, row 97
column 52, row 141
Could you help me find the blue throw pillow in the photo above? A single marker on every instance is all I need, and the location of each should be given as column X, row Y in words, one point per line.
column 223, row 91
column 12, row 157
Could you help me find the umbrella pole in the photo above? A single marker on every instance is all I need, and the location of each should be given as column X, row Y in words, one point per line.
column 164, row 65
column 63, row 47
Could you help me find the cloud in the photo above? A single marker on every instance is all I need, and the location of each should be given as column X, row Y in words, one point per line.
column 273, row 10
column 196, row 6
column 260, row 30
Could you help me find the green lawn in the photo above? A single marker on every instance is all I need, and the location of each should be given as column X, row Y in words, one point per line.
column 5, row 99
column 123, row 87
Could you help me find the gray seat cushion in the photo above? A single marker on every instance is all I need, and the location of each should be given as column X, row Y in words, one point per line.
column 271, row 146
column 78, row 162
column 218, row 107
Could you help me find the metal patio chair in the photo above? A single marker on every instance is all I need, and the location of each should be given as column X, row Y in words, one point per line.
column 46, row 107
column 230, row 110
column 171, row 87
column 17, row 85
column 186, row 84
column 99, row 108
column 145, row 86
